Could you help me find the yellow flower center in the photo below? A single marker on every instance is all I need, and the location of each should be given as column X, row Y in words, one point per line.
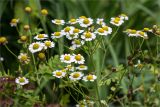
column 105, row 28
column 76, row 31
column 35, row 46
column 116, row 21
column 78, row 57
column 58, row 21
column 141, row 33
column 24, row 57
column 57, row 33
column 41, row 55
column 67, row 29
column 77, row 42
column 14, row 21
column 86, row 21
column 48, row 43
column 88, row 35
column 3, row 40
column 72, row 20
column 67, row 57
column 76, row 75
column 133, row 31
column 44, row 12
column 82, row 17
column 100, row 30
column 69, row 66
column 28, row 9
column 58, row 73
column 146, row 29
column 23, row 38
column 82, row 66
column 41, row 36
column 90, row 77
column 21, row 80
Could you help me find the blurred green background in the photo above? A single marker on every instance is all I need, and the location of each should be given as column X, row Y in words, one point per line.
column 142, row 13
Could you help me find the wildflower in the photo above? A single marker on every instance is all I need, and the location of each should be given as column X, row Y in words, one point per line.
column 89, row 77
column 58, row 22
column 123, row 16
column 104, row 31
column 68, row 29
column 100, row 21
column 57, row 35
column 113, row 88
column 85, row 22
column 44, row 12
column 21, row 80
column 23, row 58
column 88, row 36
column 26, row 27
column 70, row 68
column 59, row 74
column 139, row 65
column 76, row 76
column 71, row 36
column 76, row 43
column 132, row 32
column 72, row 21
column 76, row 31
column 116, row 21
column 28, row 9
column 67, row 58
column 82, row 67
column 14, row 22
column 41, row 56
column 142, row 34
column 36, row 47
column 23, row 38
column 3, row 40
column 48, row 44
column 79, row 59
column 41, row 36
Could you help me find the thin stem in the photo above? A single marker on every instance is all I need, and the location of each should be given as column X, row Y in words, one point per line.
column 10, row 51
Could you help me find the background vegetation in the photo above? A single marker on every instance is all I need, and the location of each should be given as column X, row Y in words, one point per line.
column 142, row 13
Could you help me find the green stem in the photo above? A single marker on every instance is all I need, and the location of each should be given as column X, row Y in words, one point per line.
column 10, row 51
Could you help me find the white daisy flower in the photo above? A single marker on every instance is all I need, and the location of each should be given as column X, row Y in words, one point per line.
column 66, row 58
column 107, row 29
column 70, row 68
column 72, row 36
column 58, row 22
column 116, row 21
column 101, row 31
column 76, row 76
column 77, row 43
column 82, row 67
column 89, row 77
column 76, row 31
column 14, row 22
column 21, row 80
column 100, row 21
column 23, row 58
column 41, row 36
column 48, row 44
column 57, row 34
column 131, row 32
column 36, row 47
column 79, row 59
column 68, row 29
column 72, row 21
column 88, row 36
column 59, row 74
column 85, row 22
column 123, row 16
column 142, row 34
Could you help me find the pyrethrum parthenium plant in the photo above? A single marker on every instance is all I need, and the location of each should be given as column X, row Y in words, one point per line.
column 71, row 63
